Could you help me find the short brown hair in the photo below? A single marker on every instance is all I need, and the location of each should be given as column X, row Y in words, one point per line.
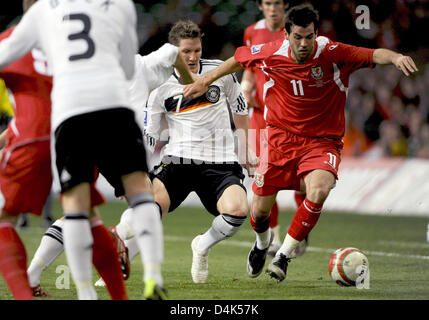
column 184, row 29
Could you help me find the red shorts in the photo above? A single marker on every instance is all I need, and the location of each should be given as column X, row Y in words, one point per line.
column 96, row 197
column 286, row 158
column 25, row 177
column 256, row 123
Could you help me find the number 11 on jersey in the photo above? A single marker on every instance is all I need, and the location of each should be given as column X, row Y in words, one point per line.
column 297, row 85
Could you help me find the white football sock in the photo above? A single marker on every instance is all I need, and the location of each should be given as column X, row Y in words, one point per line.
column 78, row 248
column 49, row 249
column 263, row 239
column 123, row 227
column 223, row 226
column 147, row 228
column 289, row 244
column 276, row 231
column 133, row 248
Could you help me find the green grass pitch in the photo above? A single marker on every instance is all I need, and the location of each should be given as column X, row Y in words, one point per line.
column 396, row 248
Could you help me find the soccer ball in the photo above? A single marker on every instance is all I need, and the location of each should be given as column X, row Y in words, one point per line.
column 348, row 266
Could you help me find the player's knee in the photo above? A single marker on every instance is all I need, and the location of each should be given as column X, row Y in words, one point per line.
column 259, row 213
column 319, row 193
column 234, row 202
column 238, row 209
column 163, row 200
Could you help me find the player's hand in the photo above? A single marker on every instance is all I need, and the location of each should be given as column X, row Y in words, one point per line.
column 406, row 64
column 251, row 163
column 250, row 98
column 248, row 89
column 196, row 89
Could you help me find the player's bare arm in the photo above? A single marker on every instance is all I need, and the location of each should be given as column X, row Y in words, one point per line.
column 246, row 155
column 386, row 56
column 185, row 74
column 200, row 86
column 248, row 88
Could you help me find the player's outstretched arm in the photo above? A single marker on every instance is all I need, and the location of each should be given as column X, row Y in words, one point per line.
column 23, row 38
column 386, row 56
column 185, row 74
column 200, row 86
column 248, row 88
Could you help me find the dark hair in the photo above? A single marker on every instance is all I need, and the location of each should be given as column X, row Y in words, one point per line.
column 260, row 1
column 184, row 29
column 302, row 15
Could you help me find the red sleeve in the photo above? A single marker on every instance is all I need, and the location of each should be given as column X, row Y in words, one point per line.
column 253, row 56
column 6, row 34
column 351, row 56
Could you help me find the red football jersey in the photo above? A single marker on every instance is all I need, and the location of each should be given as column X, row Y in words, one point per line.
column 30, row 81
column 255, row 34
column 306, row 99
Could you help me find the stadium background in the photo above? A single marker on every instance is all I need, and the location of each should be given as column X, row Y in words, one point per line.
column 385, row 170
column 388, row 113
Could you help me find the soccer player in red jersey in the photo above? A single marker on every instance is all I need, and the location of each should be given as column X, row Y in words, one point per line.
column 269, row 29
column 26, row 179
column 305, row 93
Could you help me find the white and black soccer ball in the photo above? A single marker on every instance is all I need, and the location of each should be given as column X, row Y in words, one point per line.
column 348, row 266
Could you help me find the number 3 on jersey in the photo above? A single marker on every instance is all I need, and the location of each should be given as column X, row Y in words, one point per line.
column 82, row 35
column 297, row 87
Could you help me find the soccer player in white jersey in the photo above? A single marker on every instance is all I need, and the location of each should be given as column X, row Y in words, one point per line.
column 151, row 71
column 199, row 155
column 90, row 46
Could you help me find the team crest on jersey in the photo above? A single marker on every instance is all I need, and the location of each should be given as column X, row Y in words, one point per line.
column 317, row 72
column 259, row 179
column 256, row 48
column 213, row 94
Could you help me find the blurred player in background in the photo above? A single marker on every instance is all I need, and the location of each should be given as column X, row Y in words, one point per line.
column 269, row 29
column 25, row 172
column 308, row 77
column 151, row 71
column 93, row 55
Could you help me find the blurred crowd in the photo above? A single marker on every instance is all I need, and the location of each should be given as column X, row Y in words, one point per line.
column 387, row 113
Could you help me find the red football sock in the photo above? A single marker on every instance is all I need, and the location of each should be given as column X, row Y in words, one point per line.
column 274, row 215
column 299, row 198
column 106, row 260
column 13, row 262
column 304, row 219
column 261, row 225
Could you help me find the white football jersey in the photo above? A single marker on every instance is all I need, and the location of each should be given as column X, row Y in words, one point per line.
column 151, row 71
column 198, row 128
column 90, row 47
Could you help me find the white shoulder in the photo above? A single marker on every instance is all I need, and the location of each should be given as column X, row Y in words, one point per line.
column 260, row 24
column 321, row 44
column 209, row 64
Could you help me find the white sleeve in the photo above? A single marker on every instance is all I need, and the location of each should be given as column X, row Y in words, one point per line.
column 155, row 115
column 22, row 39
column 234, row 95
column 160, row 64
column 129, row 42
